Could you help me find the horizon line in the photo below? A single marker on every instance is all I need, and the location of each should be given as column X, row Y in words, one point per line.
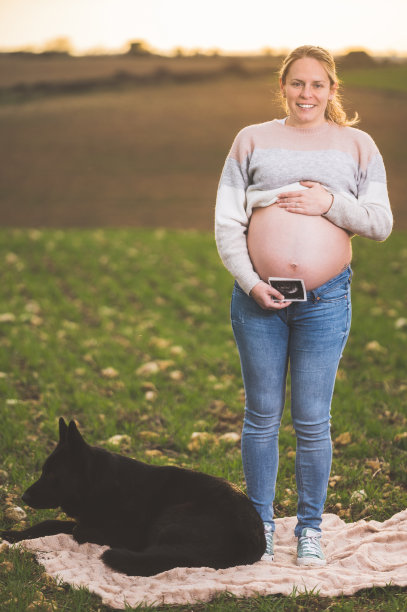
column 67, row 47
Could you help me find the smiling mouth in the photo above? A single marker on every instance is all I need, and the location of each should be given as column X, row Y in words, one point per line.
column 306, row 105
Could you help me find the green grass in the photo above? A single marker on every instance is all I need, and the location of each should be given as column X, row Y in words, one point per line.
column 384, row 78
column 75, row 302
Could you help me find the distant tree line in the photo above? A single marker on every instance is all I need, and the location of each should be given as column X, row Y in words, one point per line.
column 61, row 47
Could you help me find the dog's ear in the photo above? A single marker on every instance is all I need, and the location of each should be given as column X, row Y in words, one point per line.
column 63, row 429
column 73, row 437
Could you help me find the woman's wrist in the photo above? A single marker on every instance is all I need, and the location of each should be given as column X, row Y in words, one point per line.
column 331, row 203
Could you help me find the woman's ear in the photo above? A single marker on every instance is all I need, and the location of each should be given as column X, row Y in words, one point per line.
column 334, row 87
column 282, row 87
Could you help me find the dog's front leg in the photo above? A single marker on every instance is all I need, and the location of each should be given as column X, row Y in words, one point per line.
column 82, row 534
column 46, row 528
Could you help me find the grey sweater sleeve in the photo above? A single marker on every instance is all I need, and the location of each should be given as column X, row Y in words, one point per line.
column 232, row 222
column 370, row 215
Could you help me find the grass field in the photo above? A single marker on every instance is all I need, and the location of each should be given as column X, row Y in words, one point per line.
column 389, row 78
column 82, row 310
column 16, row 70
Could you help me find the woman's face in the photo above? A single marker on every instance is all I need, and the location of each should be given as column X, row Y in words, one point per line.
column 307, row 89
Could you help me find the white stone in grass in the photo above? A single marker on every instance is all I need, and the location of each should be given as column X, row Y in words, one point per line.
column 15, row 513
column 7, row 317
column 358, row 496
column 343, row 439
column 177, row 350
column 176, row 375
column 153, row 453
column 151, row 367
column 33, row 307
column 164, row 364
column 150, row 395
column 119, row 439
column 12, row 258
column 109, row 373
column 159, row 342
column 375, row 347
column 36, row 321
column 199, row 439
column 147, row 385
column 201, row 435
column 230, row 438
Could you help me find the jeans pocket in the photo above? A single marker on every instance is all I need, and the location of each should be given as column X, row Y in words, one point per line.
column 236, row 310
column 336, row 293
column 244, row 309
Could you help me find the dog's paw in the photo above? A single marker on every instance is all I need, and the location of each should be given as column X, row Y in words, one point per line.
column 79, row 535
column 110, row 558
column 12, row 536
column 118, row 560
column 82, row 535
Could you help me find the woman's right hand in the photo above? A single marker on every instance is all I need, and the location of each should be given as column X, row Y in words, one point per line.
column 262, row 294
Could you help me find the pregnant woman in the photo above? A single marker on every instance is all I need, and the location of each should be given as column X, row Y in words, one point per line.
column 292, row 194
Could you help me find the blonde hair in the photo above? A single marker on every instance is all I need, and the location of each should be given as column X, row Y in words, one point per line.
column 334, row 110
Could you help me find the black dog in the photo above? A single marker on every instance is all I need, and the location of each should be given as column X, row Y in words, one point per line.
column 154, row 518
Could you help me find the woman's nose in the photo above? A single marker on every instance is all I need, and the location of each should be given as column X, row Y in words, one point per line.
column 306, row 91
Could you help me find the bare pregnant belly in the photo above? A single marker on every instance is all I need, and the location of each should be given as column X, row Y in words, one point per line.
column 297, row 246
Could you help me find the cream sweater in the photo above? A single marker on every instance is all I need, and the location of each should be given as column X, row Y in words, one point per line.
column 268, row 158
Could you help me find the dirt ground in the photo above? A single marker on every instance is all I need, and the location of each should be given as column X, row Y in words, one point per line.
column 151, row 155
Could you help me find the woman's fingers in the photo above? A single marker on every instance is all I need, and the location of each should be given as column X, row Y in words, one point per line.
column 296, row 209
column 290, row 196
column 265, row 295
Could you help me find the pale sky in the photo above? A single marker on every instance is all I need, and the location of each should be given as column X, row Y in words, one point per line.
column 230, row 25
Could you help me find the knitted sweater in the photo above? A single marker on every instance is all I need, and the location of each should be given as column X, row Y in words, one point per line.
column 269, row 158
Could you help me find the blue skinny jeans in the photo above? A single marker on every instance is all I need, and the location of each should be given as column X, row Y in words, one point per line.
column 309, row 337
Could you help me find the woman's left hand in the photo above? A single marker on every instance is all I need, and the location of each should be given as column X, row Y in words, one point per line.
column 315, row 200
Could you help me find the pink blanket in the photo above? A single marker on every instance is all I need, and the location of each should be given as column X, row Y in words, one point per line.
column 360, row 555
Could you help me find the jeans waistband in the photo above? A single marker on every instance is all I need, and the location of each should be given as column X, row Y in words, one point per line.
column 345, row 275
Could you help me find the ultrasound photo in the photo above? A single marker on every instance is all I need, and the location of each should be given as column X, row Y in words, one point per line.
column 293, row 289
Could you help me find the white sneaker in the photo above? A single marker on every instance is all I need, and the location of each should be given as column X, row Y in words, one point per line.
column 269, row 535
column 309, row 551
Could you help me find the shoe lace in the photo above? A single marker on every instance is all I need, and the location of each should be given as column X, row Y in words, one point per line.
column 269, row 540
column 310, row 545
